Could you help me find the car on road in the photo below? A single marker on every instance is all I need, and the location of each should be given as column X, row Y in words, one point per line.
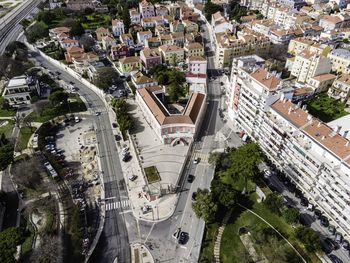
column 183, row 238
column 190, row 178
column 335, row 259
column 117, row 137
column 331, row 229
column 132, row 177
column 97, row 113
column 304, row 201
column 324, row 221
column 328, row 245
column 317, row 213
column 196, row 160
column 126, row 158
column 194, row 196
column 338, row 238
column 345, row 245
column 267, row 173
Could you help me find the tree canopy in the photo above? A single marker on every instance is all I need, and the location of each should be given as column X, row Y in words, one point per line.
column 106, row 77
column 309, row 237
column 37, row 31
column 274, row 202
column 9, row 239
column 211, row 8
column 204, row 206
column 58, row 97
column 76, row 29
column 291, row 215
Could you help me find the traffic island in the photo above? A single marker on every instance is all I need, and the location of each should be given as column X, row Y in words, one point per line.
column 140, row 254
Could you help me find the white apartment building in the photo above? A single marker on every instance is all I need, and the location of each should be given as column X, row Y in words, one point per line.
column 312, row 154
column 340, row 60
column 340, row 88
column 18, row 89
column 307, row 65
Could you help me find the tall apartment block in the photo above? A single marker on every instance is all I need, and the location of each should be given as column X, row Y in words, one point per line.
column 314, row 155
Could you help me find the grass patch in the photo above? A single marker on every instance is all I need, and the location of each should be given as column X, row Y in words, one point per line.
column 152, row 174
column 49, row 112
column 96, row 20
column 27, row 244
column 207, row 250
column 326, row 108
column 7, row 128
column 232, row 249
column 24, row 135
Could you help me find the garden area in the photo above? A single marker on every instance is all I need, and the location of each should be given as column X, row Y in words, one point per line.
column 51, row 110
column 24, row 135
column 6, row 127
column 5, row 109
column 94, row 21
column 233, row 189
column 326, row 108
column 152, row 174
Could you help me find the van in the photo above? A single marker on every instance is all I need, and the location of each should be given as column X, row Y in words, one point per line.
column 77, row 119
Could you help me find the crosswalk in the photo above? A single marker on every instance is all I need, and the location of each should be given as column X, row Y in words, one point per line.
column 202, row 156
column 117, row 205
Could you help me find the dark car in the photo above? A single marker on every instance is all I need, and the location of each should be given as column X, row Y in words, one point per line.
column 304, row 201
column 298, row 193
column 317, row 213
column 190, row 178
column 194, row 196
column 183, row 238
column 345, row 245
column 328, row 245
column 126, row 158
column 117, row 137
column 335, row 259
column 331, row 229
column 324, row 221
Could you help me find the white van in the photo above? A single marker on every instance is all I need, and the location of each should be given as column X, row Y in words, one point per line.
column 77, row 119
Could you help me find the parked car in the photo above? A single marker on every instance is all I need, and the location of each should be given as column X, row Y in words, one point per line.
column 194, row 196
column 183, row 238
column 132, row 177
column 190, row 178
column 331, row 229
column 126, row 158
column 177, row 233
column 196, row 160
column 317, row 213
column 304, row 201
column 324, row 221
column 267, row 173
column 345, row 245
column 335, row 259
column 328, row 245
column 338, row 238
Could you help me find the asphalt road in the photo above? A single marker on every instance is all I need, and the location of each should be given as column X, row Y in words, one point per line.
column 114, row 242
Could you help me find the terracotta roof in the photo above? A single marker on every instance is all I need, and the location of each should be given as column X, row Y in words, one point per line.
column 108, row 38
column 163, row 117
column 170, row 48
column 150, row 52
column 115, row 22
column 263, row 77
column 102, row 30
column 344, row 78
column 217, row 15
column 194, row 45
column 303, row 91
column 148, row 32
column 73, row 49
column 332, row 19
column 69, row 40
column 197, row 58
column 139, row 78
column 126, row 60
column 61, row 29
column 324, row 77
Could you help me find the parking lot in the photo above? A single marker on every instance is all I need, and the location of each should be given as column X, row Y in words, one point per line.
column 74, row 148
column 333, row 243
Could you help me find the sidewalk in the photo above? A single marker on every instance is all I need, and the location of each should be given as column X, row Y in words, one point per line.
column 140, row 254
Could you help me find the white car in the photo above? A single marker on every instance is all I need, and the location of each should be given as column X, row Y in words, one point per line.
column 196, row 160
column 267, row 172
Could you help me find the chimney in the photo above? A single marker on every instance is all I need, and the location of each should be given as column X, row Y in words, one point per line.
column 319, row 124
column 338, row 128
column 289, row 110
column 323, row 137
column 347, row 143
column 299, row 104
column 304, row 107
column 309, row 117
column 345, row 134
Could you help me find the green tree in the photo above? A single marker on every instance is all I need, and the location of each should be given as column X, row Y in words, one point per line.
column 211, row 8
column 204, row 206
column 173, row 60
column 175, row 91
column 118, row 103
column 291, row 215
column 37, row 31
column 224, row 193
column 6, row 156
column 45, row 16
column 244, row 162
column 309, row 238
column 9, row 239
column 59, row 97
column 106, row 77
column 274, row 202
column 76, row 29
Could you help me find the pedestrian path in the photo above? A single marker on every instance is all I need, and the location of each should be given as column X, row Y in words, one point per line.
column 202, row 156
column 117, row 205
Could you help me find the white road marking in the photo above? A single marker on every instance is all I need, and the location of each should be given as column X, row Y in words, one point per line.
column 117, row 205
